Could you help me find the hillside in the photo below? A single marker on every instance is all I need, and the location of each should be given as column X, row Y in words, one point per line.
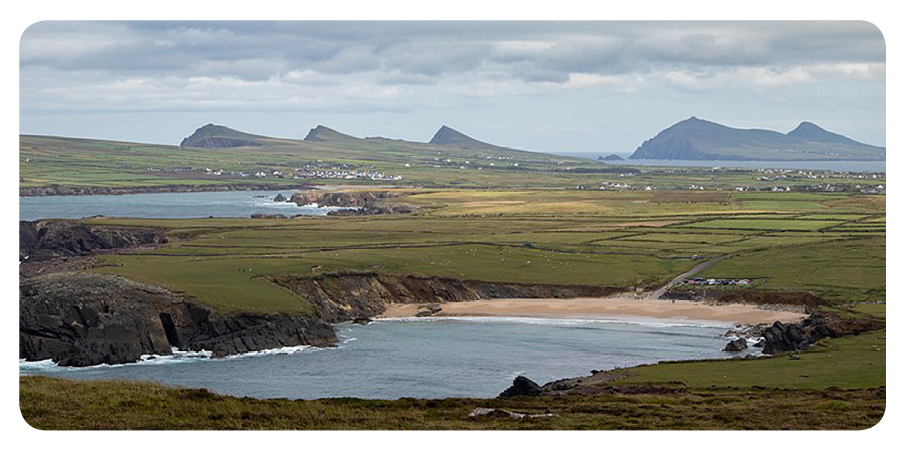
column 218, row 136
column 696, row 139
column 216, row 156
column 448, row 136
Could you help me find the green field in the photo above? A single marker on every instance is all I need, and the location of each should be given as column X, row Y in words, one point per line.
column 627, row 240
column 864, row 367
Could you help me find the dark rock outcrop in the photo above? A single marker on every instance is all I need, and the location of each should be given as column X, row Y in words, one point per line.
column 352, row 199
column 360, row 202
column 736, row 345
column 280, row 198
column 521, row 386
column 781, row 337
column 83, row 319
column 43, row 240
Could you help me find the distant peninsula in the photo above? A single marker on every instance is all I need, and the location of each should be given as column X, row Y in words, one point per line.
column 697, row 139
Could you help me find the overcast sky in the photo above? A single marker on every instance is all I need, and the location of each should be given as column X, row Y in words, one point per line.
column 549, row 86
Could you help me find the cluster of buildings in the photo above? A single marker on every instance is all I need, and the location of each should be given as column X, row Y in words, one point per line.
column 621, row 186
column 345, row 174
column 298, row 173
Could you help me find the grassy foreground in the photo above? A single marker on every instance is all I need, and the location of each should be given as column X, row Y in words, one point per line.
column 49, row 403
column 839, row 385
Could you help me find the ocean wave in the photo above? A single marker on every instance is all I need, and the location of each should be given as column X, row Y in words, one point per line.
column 178, row 356
column 569, row 322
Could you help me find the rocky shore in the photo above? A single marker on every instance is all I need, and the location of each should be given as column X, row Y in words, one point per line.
column 44, row 240
column 779, row 338
column 357, row 202
column 84, row 319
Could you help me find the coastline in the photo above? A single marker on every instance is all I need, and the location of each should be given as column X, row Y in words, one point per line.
column 613, row 307
column 61, row 191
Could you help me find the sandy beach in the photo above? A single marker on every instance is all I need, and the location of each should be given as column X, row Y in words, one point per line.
column 608, row 307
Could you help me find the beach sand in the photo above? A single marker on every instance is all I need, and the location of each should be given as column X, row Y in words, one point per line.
column 604, row 308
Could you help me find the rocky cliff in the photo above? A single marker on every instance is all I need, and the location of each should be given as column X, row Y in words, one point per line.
column 354, row 199
column 342, row 297
column 83, row 319
column 364, row 202
column 43, row 240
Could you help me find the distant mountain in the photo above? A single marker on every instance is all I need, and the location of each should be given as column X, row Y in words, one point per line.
column 696, row 139
column 321, row 133
column 218, row 136
column 613, row 157
column 448, row 136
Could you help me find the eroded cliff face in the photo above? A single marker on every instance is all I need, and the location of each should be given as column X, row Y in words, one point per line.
column 359, row 202
column 84, row 319
column 343, row 297
column 354, row 199
column 44, row 240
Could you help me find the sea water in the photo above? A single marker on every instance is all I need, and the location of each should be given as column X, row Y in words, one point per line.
column 424, row 358
column 171, row 205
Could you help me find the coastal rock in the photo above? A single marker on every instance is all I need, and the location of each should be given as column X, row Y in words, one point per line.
column 521, row 386
column 280, row 198
column 429, row 310
column 736, row 345
column 44, row 240
column 781, row 337
column 83, row 319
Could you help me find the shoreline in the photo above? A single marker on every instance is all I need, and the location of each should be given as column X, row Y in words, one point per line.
column 67, row 191
column 614, row 307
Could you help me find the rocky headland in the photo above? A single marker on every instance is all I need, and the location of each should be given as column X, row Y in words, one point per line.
column 357, row 202
column 84, row 319
column 45, row 240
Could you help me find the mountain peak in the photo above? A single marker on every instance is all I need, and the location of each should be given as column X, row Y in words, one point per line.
column 219, row 136
column 809, row 131
column 321, row 133
column 448, row 136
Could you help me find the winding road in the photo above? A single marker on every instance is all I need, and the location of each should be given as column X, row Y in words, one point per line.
column 659, row 292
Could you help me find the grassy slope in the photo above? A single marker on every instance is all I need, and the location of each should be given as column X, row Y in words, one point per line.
column 854, row 362
column 87, row 162
column 48, row 403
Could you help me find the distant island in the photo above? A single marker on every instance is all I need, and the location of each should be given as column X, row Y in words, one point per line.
column 696, row 139
column 611, row 157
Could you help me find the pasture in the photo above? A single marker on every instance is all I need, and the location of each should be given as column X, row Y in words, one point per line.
column 629, row 240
